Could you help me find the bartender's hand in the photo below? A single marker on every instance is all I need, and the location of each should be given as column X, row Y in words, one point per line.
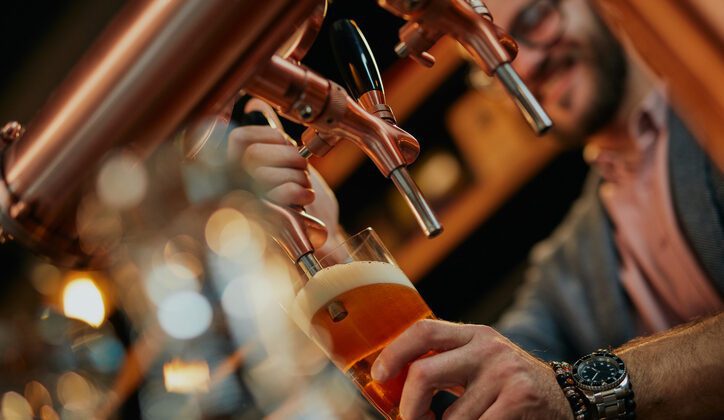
column 499, row 380
column 269, row 156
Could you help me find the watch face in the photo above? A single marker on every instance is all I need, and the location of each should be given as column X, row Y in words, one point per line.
column 599, row 372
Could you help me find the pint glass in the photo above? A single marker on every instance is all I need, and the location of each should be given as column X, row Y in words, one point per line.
column 354, row 307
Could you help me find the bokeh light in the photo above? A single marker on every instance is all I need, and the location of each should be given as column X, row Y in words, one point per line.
column 37, row 396
column 185, row 315
column 186, row 377
column 76, row 393
column 183, row 252
column 46, row 279
column 438, row 175
column 16, row 407
column 83, row 300
column 100, row 227
column 164, row 280
column 47, row 413
column 232, row 235
column 122, row 182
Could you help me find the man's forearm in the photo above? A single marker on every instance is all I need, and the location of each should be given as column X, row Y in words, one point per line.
column 679, row 373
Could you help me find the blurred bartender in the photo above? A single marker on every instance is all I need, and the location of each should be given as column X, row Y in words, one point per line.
column 640, row 254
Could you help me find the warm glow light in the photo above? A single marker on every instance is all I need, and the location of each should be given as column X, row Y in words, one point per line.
column 165, row 280
column 76, row 393
column 37, row 396
column 14, row 406
column 83, row 300
column 438, row 175
column 46, row 278
column 186, row 377
column 227, row 232
column 47, row 413
column 122, row 182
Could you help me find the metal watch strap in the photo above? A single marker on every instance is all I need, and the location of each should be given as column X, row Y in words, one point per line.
column 615, row 403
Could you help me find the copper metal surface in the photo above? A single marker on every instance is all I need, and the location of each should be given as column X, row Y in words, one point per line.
column 155, row 66
column 291, row 88
column 297, row 47
column 305, row 97
column 374, row 102
column 296, row 231
column 457, row 18
column 472, row 26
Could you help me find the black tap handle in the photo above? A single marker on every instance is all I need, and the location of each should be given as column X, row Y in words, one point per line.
column 354, row 58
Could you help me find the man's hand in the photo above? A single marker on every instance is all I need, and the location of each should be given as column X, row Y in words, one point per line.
column 498, row 379
column 270, row 157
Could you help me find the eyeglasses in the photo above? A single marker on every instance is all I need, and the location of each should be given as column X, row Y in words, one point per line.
column 540, row 24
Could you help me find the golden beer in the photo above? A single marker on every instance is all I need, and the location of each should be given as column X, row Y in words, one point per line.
column 352, row 311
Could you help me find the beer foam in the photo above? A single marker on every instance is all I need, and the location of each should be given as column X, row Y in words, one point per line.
column 332, row 281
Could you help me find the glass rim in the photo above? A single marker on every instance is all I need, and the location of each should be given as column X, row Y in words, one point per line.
column 368, row 230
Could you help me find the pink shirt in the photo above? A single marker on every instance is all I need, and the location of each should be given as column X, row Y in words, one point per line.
column 664, row 281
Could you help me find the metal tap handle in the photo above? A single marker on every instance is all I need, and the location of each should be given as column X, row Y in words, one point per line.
column 359, row 70
column 354, row 58
column 297, row 232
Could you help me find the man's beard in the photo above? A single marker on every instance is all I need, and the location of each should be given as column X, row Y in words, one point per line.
column 610, row 68
column 611, row 73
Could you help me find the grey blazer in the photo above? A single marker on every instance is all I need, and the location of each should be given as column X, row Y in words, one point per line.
column 572, row 301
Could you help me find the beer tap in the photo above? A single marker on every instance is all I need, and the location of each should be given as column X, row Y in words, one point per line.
column 471, row 24
column 362, row 76
column 303, row 96
column 150, row 73
column 295, row 230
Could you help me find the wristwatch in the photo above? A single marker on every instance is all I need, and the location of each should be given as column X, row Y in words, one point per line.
column 602, row 378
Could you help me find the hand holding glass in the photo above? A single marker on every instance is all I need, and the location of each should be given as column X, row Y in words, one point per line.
column 354, row 307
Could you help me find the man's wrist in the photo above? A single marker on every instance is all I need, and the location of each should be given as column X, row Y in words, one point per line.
column 575, row 398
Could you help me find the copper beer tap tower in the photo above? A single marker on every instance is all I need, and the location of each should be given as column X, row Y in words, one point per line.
column 164, row 65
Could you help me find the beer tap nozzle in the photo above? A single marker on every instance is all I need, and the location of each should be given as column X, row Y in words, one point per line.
column 295, row 230
column 303, row 96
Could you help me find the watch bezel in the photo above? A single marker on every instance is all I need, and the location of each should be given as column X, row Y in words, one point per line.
column 598, row 388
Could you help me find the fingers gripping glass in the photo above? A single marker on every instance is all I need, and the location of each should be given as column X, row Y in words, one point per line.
column 540, row 24
column 356, row 305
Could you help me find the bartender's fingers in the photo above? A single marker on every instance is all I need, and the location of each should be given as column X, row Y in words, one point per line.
column 504, row 408
column 241, row 138
column 420, row 338
column 260, row 155
column 428, row 375
column 267, row 178
column 255, row 104
column 478, row 396
column 291, row 194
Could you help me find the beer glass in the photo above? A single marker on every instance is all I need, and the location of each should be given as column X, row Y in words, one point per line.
column 356, row 305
